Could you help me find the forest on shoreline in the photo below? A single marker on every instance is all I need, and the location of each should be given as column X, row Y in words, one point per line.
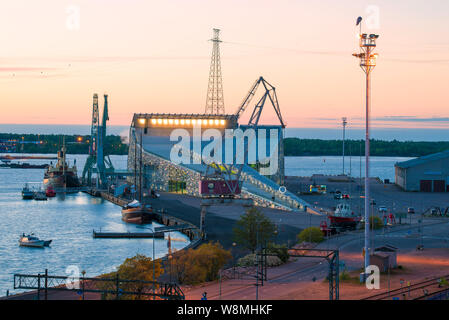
column 114, row 145
column 394, row 148
column 51, row 143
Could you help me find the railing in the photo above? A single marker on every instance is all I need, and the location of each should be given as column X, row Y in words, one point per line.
column 113, row 287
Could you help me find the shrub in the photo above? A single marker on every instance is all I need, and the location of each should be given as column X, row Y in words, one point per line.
column 247, row 261
column 199, row 265
column 344, row 276
column 250, row 261
column 311, row 234
column 138, row 267
column 375, row 223
column 280, row 250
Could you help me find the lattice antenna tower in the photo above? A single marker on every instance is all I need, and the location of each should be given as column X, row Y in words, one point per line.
column 215, row 99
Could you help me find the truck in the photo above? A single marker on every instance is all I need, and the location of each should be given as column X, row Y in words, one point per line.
column 317, row 189
column 219, row 187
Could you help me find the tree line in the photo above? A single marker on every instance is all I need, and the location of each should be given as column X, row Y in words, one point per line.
column 79, row 144
column 51, row 143
column 317, row 147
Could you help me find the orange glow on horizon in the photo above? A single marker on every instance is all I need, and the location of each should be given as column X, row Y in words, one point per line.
column 48, row 71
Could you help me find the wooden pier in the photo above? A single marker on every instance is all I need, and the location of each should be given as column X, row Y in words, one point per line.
column 128, row 235
column 170, row 223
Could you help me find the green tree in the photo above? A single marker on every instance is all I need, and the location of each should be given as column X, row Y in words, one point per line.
column 375, row 223
column 253, row 228
column 311, row 234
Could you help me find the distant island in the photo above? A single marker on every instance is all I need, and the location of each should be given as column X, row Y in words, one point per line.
column 79, row 144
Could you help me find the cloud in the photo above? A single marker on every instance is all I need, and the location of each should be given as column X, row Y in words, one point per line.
column 26, row 69
column 411, row 119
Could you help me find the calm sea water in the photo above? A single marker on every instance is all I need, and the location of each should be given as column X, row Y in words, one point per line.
column 382, row 167
column 69, row 222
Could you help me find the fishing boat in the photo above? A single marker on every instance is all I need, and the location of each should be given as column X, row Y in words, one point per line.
column 27, row 193
column 135, row 212
column 61, row 175
column 344, row 217
column 32, row 241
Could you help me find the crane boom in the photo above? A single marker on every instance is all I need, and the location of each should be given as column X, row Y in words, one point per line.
column 246, row 101
column 270, row 93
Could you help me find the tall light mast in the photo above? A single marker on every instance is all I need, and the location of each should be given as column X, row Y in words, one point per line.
column 367, row 44
column 344, row 123
column 215, row 99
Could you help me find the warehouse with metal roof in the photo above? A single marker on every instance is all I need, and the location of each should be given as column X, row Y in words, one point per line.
column 426, row 174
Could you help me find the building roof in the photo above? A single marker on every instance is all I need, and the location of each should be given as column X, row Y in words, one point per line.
column 185, row 116
column 423, row 159
column 381, row 255
column 386, row 248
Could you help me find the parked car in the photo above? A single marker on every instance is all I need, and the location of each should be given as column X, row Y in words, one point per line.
column 411, row 210
column 382, row 209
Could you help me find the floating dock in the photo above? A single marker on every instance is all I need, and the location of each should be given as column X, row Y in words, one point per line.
column 128, row 235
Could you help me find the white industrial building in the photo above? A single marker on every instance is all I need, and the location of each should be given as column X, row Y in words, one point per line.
column 426, row 174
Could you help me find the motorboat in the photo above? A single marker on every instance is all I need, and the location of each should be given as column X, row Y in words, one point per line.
column 32, row 241
column 27, row 193
column 135, row 212
column 40, row 195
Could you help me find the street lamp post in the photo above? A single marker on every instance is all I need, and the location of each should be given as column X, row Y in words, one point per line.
column 233, row 258
column 84, row 274
column 154, row 268
column 344, row 122
column 367, row 63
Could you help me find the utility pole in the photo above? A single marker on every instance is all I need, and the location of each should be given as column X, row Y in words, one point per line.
column 140, row 165
column 367, row 44
column 215, row 99
column 344, row 122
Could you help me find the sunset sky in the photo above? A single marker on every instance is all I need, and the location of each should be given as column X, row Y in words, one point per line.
column 153, row 56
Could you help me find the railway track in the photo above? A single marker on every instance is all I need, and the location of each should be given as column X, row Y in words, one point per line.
column 417, row 291
column 305, row 270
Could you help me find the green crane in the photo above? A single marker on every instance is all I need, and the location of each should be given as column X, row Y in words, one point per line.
column 97, row 161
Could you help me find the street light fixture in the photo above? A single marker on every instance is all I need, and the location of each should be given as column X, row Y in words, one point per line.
column 367, row 58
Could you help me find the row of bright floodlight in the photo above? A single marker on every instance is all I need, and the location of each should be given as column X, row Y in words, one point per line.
column 182, row 122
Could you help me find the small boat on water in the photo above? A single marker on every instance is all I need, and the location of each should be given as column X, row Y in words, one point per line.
column 40, row 195
column 32, row 241
column 27, row 193
column 135, row 212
